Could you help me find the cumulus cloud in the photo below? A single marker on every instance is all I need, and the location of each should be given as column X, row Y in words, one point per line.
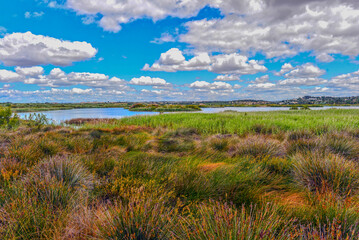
column 285, row 68
column 172, row 57
column 310, row 81
column 30, row 71
column 27, row 49
column 9, row 76
column 227, row 77
column 307, row 70
column 280, row 29
column 58, row 78
column 267, row 85
column 173, row 60
column 349, row 81
column 149, row 81
column 262, row 79
column 203, row 85
column 275, row 28
column 115, row 13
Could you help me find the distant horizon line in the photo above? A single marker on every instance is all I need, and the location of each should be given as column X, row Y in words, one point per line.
column 188, row 101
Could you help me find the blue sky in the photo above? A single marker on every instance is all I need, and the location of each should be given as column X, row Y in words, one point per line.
column 122, row 50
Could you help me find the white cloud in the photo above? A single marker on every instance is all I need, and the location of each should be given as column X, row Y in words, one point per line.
column 81, row 91
column 173, row 60
column 227, row 77
column 285, row 68
column 58, row 78
column 117, row 12
column 27, row 49
column 280, row 29
column 237, row 86
column 172, row 57
column 262, row 79
column 307, row 70
column 30, row 71
column 33, row 14
column 165, row 37
column 324, row 57
column 87, row 77
column 149, row 81
column 310, row 81
column 275, row 28
column 203, row 85
column 9, row 76
column 200, row 84
column 349, row 81
column 235, row 63
column 262, row 85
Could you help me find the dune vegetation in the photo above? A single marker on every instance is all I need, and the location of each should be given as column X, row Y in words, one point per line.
column 273, row 175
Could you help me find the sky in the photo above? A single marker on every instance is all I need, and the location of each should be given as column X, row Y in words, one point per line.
column 177, row 50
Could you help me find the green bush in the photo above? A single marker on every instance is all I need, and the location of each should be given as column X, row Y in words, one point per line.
column 7, row 118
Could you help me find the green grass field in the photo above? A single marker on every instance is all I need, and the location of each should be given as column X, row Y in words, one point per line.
column 240, row 123
column 272, row 175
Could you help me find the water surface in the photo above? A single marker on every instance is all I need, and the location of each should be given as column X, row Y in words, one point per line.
column 59, row 116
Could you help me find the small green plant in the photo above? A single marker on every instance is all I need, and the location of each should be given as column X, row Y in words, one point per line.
column 37, row 120
column 7, row 118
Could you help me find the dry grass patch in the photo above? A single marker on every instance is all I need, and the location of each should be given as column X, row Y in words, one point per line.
column 209, row 167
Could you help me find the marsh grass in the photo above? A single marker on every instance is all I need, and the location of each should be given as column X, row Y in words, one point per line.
column 258, row 146
column 139, row 218
column 38, row 204
column 216, row 220
column 322, row 172
column 341, row 144
column 280, row 175
column 318, row 122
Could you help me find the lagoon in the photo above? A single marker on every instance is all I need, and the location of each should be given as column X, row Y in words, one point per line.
column 59, row 116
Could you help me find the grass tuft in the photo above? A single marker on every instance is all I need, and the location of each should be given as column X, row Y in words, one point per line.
column 321, row 172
